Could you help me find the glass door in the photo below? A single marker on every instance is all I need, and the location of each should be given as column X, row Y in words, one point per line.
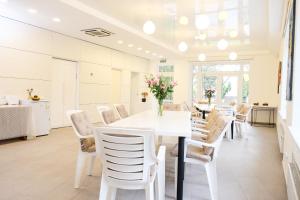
column 229, row 91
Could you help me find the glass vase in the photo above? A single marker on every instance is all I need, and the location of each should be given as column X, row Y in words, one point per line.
column 160, row 108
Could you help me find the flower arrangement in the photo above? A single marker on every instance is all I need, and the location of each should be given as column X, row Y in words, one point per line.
column 209, row 94
column 29, row 91
column 160, row 87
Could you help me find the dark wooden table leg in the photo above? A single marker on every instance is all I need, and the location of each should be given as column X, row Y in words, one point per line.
column 203, row 114
column 232, row 129
column 180, row 175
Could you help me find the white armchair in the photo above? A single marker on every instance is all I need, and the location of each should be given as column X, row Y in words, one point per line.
column 107, row 115
column 129, row 162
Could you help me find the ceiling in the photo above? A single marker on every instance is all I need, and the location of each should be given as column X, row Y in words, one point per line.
column 252, row 21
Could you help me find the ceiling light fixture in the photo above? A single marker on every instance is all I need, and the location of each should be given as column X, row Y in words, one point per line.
column 233, row 34
column 130, row 45
column 232, row 55
column 223, row 15
column 139, row 48
column 183, row 20
column 120, row 42
column 32, row 11
column 202, row 22
column 147, row 51
column 56, row 19
column 182, row 46
column 201, row 57
column 222, row 44
column 149, row 27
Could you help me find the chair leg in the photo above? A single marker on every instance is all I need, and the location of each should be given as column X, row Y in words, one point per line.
column 175, row 174
column 212, row 179
column 149, row 191
column 79, row 168
column 160, row 176
column 92, row 161
column 107, row 192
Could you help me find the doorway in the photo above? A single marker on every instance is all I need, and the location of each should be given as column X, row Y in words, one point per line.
column 134, row 93
column 64, row 94
column 116, row 86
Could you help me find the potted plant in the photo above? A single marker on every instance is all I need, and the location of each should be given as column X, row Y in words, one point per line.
column 160, row 87
column 144, row 94
column 209, row 94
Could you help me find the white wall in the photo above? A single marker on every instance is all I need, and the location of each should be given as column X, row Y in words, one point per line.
column 26, row 58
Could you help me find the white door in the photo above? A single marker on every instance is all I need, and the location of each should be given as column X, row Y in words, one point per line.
column 64, row 91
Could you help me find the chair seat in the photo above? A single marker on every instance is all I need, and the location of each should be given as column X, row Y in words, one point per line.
column 193, row 152
column 88, row 144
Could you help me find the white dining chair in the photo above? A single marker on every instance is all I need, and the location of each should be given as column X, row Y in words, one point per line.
column 241, row 117
column 129, row 162
column 205, row 152
column 87, row 149
column 107, row 115
column 121, row 110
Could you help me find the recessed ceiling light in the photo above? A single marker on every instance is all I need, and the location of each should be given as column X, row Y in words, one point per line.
column 182, row 46
column 147, row 51
column 120, row 42
column 130, row 45
column 139, row 48
column 233, row 56
column 56, row 19
column 183, row 20
column 201, row 57
column 202, row 22
column 32, row 11
column 223, row 15
column 222, row 44
column 201, row 36
column 160, row 56
column 149, row 27
column 233, row 33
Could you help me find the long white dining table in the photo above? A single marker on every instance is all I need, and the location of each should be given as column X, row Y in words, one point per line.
column 172, row 123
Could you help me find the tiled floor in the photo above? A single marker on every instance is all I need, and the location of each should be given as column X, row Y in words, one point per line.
column 42, row 169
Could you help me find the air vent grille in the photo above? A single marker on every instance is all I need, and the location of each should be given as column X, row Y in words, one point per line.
column 99, row 32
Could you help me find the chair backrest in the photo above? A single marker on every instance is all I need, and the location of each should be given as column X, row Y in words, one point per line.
column 128, row 155
column 172, row 107
column 80, row 123
column 121, row 110
column 107, row 115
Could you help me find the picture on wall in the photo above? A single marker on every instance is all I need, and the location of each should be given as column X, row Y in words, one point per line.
column 292, row 19
column 279, row 77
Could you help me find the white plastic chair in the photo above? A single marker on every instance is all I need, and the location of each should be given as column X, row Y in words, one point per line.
column 209, row 163
column 121, row 111
column 241, row 118
column 129, row 162
column 105, row 109
column 82, row 155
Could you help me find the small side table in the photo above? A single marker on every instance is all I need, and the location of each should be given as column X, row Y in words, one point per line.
column 270, row 109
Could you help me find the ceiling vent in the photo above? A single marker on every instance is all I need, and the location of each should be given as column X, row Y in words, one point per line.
column 99, row 32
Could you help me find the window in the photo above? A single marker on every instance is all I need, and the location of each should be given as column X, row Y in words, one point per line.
column 230, row 81
column 167, row 71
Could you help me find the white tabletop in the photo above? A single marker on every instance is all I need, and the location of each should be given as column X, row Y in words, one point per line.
column 172, row 123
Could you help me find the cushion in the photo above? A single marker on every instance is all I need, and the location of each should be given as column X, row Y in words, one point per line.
column 122, row 111
column 193, row 152
column 82, row 123
column 108, row 116
column 88, row 144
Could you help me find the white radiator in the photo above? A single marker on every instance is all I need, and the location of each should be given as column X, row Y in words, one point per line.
column 294, row 173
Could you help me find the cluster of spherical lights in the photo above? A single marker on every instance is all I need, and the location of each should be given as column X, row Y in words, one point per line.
column 202, row 22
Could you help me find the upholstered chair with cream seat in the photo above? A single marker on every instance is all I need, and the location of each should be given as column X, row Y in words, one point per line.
column 172, row 107
column 129, row 162
column 86, row 142
column 107, row 115
column 121, row 110
column 241, row 117
column 205, row 152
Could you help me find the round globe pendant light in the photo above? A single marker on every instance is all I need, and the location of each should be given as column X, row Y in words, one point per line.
column 202, row 57
column 182, row 46
column 149, row 27
column 232, row 55
column 222, row 44
column 202, row 22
